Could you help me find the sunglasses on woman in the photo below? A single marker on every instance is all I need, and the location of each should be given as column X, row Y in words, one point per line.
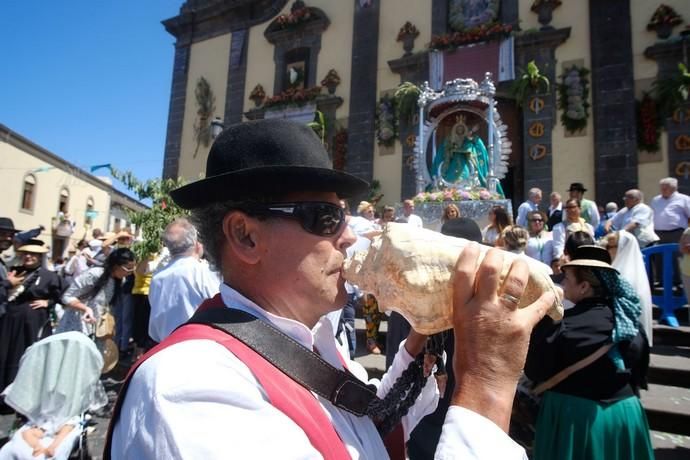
column 316, row 217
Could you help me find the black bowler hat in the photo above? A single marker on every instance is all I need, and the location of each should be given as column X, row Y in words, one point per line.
column 7, row 225
column 266, row 158
column 577, row 187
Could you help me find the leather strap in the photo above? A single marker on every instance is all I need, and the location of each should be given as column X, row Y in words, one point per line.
column 568, row 371
column 307, row 368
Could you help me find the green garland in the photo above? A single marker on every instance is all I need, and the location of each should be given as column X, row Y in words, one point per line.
column 573, row 98
column 530, row 81
column 406, row 97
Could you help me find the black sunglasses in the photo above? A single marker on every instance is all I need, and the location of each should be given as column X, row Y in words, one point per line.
column 317, row 217
column 536, row 220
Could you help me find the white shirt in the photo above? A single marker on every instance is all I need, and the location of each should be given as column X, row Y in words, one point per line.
column 415, row 221
column 558, row 207
column 671, row 213
column 175, row 293
column 643, row 216
column 197, row 400
column 361, row 225
column 525, row 208
column 541, row 248
column 490, row 235
column 562, row 230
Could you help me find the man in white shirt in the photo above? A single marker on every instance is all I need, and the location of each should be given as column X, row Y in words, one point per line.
column 671, row 217
column 531, row 204
column 183, row 284
column 281, row 253
column 636, row 218
column 409, row 216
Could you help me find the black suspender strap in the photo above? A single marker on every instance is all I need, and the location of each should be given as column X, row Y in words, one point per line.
column 307, row 368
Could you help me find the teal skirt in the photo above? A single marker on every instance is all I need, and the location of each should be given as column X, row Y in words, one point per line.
column 572, row 428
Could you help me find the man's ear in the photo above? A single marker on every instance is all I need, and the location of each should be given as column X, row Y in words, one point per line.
column 242, row 236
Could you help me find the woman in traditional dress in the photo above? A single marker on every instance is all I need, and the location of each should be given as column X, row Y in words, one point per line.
column 27, row 316
column 627, row 259
column 498, row 220
column 595, row 412
column 572, row 223
column 92, row 292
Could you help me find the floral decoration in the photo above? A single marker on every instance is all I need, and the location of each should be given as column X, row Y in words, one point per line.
column 299, row 14
column 495, row 31
column 293, row 96
column 672, row 92
column 573, row 94
column 257, row 95
column 331, row 78
column 530, row 81
column 664, row 15
column 453, row 194
column 206, row 105
column 648, row 124
column 407, row 30
column 258, row 92
column 340, row 149
column 386, row 126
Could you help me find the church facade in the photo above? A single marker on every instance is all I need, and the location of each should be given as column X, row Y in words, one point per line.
column 584, row 116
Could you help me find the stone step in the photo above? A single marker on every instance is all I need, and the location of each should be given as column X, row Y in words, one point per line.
column 670, row 365
column 682, row 313
column 669, row 446
column 667, row 408
column 675, row 336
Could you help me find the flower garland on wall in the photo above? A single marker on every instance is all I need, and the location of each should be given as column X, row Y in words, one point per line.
column 489, row 32
column 340, row 149
column 386, row 124
column 648, row 124
column 573, row 95
column 206, row 105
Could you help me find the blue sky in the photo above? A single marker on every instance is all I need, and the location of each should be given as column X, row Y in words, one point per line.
column 89, row 80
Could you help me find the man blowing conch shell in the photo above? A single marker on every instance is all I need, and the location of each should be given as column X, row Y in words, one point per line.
column 269, row 217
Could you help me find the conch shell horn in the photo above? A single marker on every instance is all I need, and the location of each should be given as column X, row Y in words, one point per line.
column 409, row 270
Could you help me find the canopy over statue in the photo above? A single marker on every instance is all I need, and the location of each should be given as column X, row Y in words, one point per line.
column 450, row 152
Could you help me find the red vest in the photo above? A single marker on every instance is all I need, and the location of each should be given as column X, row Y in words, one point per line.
column 285, row 394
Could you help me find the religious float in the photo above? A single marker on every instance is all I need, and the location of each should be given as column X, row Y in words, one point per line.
column 452, row 162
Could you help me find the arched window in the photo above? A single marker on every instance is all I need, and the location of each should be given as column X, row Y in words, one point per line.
column 90, row 213
column 29, row 192
column 63, row 204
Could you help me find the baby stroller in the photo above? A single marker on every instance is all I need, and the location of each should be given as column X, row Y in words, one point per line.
column 57, row 382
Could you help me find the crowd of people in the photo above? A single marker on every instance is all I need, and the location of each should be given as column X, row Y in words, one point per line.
column 256, row 270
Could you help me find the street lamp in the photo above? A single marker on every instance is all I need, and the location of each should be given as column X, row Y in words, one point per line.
column 217, row 127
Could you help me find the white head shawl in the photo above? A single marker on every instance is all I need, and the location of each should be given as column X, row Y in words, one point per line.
column 630, row 264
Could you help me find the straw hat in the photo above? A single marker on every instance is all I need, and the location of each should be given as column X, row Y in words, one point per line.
column 34, row 246
column 590, row 256
column 113, row 237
